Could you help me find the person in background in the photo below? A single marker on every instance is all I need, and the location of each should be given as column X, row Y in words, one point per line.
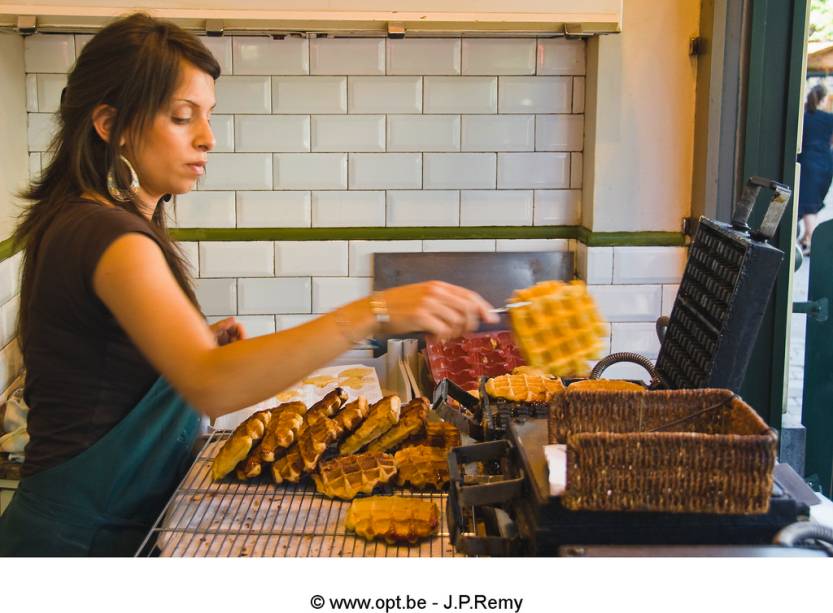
column 120, row 361
column 816, row 163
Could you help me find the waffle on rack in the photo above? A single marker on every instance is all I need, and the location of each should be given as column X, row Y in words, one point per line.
column 560, row 329
column 393, row 518
column 301, row 443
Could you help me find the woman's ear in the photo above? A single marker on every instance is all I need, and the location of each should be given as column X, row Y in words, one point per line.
column 103, row 117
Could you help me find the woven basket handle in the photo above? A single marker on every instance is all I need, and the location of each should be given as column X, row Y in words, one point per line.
column 627, row 356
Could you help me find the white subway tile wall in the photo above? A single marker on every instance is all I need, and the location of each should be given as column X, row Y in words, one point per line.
column 259, row 55
column 371, row 115
column 286, row 209
column 223, row 128
column 426, row 56
column 357, row 132
column 32, row 92
column 648, row 264
column 423, row 207
column 347, row 56
column 49, row 88
column 488, row 56
column 669, row 295
column 346, row 209
column 204, row 210
column 53, row 53
column 384, row 95
column 272, row 133
column 595, row 264
column 311, row 258
column 328, row 294
column 310, row 170
column 489, row 207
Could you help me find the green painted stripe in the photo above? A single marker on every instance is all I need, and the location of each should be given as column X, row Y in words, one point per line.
column 593, row 239
column 606, row 239
column 6, row 249
column 630, row 239
column 320, row 234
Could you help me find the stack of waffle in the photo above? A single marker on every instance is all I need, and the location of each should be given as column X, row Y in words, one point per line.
column 294, row 440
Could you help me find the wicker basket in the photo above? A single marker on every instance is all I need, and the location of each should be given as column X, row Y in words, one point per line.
column 684, row 451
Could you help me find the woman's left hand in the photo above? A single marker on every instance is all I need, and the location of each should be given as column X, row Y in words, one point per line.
column 228, row 330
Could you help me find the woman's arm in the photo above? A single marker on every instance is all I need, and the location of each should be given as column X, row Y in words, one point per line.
column 134, row 282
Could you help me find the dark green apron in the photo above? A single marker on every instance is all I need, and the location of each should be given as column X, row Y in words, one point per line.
column 103, row 501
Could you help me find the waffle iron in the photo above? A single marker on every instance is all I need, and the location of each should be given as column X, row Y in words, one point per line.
column 514, row 514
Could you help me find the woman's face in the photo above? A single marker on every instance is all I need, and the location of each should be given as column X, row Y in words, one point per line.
column 174, row 150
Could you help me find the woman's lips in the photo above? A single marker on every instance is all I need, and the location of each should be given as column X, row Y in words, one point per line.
column 198, row 169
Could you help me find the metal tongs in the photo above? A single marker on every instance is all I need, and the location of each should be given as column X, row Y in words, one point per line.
column 510, row 305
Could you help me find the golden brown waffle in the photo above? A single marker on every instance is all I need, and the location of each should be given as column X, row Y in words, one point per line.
column 239, row 444
column 411, row 422
column 280, row 433
column 352, row 415
column 383, row 416
column 393, row 518
column 346, row 476
column 605, row 385
column 289, row 467
column 422, row 466
column 328, row 406
column 560, row 330
column 314, row 441
column 282, row 430
column 524, row 388
column 440, row 434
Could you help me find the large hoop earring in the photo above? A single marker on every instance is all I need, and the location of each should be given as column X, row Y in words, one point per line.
column 113, row 188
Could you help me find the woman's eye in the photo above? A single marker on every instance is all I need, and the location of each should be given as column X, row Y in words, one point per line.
column 181, row 120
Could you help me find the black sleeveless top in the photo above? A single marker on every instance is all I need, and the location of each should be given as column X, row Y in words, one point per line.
column 83, row 372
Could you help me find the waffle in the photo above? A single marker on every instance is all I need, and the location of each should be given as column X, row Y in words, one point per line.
column 383, row 416
column 346, row 476
column 280, row 433
column 393, row 518
column 282, row 429
column 605, row 385
column 328, row 406
column 289, row 467
column 524, row 388
column 239, row 444
column 352, row 415
column 411, row 423
column 422, row 466
column 440, row 434
column 560, row 330
column 314, row 441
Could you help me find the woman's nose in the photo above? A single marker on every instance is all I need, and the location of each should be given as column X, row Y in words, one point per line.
column 205, row 137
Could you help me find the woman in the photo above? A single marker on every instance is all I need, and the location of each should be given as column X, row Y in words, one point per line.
column 115, row 347
column 816, row 163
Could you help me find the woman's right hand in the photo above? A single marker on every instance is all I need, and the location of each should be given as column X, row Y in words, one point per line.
column 435, row 307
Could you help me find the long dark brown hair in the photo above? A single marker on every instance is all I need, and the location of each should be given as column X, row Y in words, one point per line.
column 134, row 65
column 814, row 98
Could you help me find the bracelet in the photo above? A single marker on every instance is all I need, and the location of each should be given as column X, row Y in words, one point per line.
column 379, row 308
